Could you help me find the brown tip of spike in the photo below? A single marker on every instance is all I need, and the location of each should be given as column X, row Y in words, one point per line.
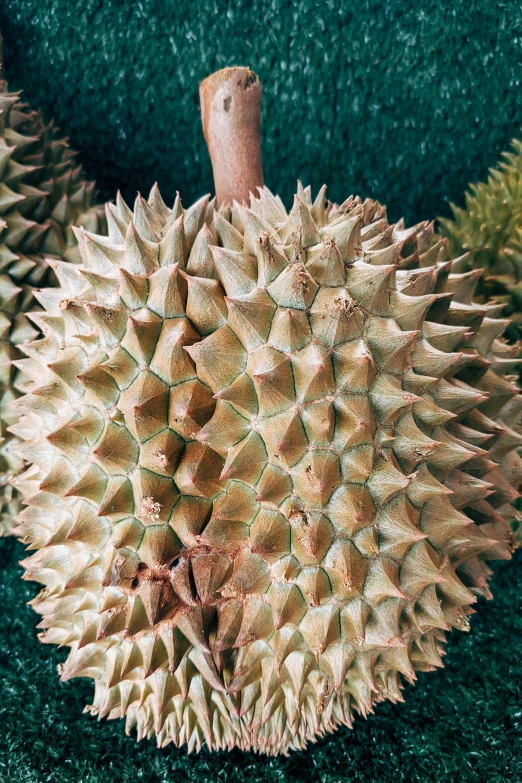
column 231, row 117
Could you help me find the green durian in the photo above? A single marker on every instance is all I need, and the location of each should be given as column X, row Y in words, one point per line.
column 489, row 229
column 43, row 194
column 270, row 455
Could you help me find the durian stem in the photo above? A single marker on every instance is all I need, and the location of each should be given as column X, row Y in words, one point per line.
column 231, row 116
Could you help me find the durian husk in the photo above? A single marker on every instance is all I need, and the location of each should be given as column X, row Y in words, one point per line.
column 43, row 194
column 271, row 455
column 489, row 228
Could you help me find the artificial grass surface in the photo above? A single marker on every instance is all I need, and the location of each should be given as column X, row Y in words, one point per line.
column 404, row 102
column 462, row 723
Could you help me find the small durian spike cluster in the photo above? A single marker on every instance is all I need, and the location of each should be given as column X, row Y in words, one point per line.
column 42, row 195
column 489, row 229
column 270, row 456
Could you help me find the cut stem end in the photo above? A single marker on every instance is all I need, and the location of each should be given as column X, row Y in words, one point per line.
column 231, row 117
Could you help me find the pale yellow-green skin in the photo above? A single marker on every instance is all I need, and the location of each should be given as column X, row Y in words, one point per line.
column 42, row 195
column 489, row 229
column 271, row 455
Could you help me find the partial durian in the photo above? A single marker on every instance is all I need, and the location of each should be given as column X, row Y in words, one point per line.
column 489, row 228
column 42, row 195
column 271, row 455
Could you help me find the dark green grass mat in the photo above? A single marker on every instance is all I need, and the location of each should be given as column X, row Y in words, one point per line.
column 462, row 723
column 402, row 101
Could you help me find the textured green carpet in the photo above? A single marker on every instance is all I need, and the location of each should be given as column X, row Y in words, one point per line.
column 462, row 723
column 402, row 101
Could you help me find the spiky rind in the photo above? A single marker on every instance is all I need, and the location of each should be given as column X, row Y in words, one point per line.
column 489, row 229
column 42, row 196
column 272, row 454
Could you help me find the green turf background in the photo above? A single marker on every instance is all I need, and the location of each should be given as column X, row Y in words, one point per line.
column 461, row 724
column 403, row 101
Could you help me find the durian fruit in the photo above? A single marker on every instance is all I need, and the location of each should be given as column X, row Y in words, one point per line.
column 42, row 195
column 266, row 475
column 489, row 228
column 271, row 455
